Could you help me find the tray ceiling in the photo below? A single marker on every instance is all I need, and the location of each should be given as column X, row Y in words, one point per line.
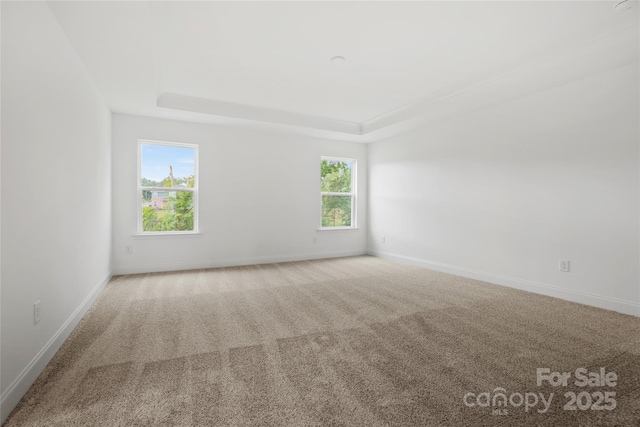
column 269, row 63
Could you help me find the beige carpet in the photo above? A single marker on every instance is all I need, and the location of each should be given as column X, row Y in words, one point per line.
column 354, row 341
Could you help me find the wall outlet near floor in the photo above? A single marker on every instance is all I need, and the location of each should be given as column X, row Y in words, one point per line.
column 384, row 239
column 128, row 249
column 315, row 240
column 564, row 265
column 36, row 312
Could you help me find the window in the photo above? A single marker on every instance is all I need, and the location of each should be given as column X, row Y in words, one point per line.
column 338, row 192
column 167, row 187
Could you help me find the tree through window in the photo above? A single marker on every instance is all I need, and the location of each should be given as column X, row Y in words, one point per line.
column 338, row 192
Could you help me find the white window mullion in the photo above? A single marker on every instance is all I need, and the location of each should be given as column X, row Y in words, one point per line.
column 169, row 189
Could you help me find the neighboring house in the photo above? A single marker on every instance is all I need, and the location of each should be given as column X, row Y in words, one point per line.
column 158, row 199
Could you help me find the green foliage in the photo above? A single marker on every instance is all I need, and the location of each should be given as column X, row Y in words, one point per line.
column 176, row 182
column 335, row 177
column 183, row 211
column 150, row 219
column 336, row 211
column 177, row 212
column 146, row 182
column 146, row 195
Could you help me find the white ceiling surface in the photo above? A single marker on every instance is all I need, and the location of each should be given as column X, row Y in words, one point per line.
column 267, row 64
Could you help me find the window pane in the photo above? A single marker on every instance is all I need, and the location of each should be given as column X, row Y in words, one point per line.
column 335, row 176
column 167, row 211
column 336, row 211
column 166, row 166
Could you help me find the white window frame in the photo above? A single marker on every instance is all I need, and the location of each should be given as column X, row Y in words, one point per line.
column 352, row 193
column 193, row 190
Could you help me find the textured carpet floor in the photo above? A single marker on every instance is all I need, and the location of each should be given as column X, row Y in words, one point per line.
column 352, row 341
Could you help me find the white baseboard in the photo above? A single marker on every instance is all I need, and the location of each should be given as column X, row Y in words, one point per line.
column 614, row 304
column 12, row 395
column 228, row 262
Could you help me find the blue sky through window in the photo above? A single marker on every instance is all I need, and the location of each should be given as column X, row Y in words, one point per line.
column 155, row 161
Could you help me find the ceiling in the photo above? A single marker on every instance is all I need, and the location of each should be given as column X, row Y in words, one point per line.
column 268, row 64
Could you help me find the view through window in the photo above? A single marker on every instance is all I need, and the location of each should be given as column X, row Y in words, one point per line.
column 337, row 180
column 167, row 187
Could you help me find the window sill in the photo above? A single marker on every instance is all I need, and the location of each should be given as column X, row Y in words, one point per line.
column 168, row 235
column 333, row 229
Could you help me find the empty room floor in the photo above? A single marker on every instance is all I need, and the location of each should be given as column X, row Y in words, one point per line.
column 345, row 341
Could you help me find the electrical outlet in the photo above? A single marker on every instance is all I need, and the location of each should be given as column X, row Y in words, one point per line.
column 383, row 240
column 128, row 249
column 36, row 312
column 315, row 240
column 564, row 265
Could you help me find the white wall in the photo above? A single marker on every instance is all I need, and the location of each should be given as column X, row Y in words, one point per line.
column 503, row 193
column 56, row 199
column 259, row 198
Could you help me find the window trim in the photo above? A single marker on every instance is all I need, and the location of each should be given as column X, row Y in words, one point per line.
column 194, row 190
column 353, row 194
